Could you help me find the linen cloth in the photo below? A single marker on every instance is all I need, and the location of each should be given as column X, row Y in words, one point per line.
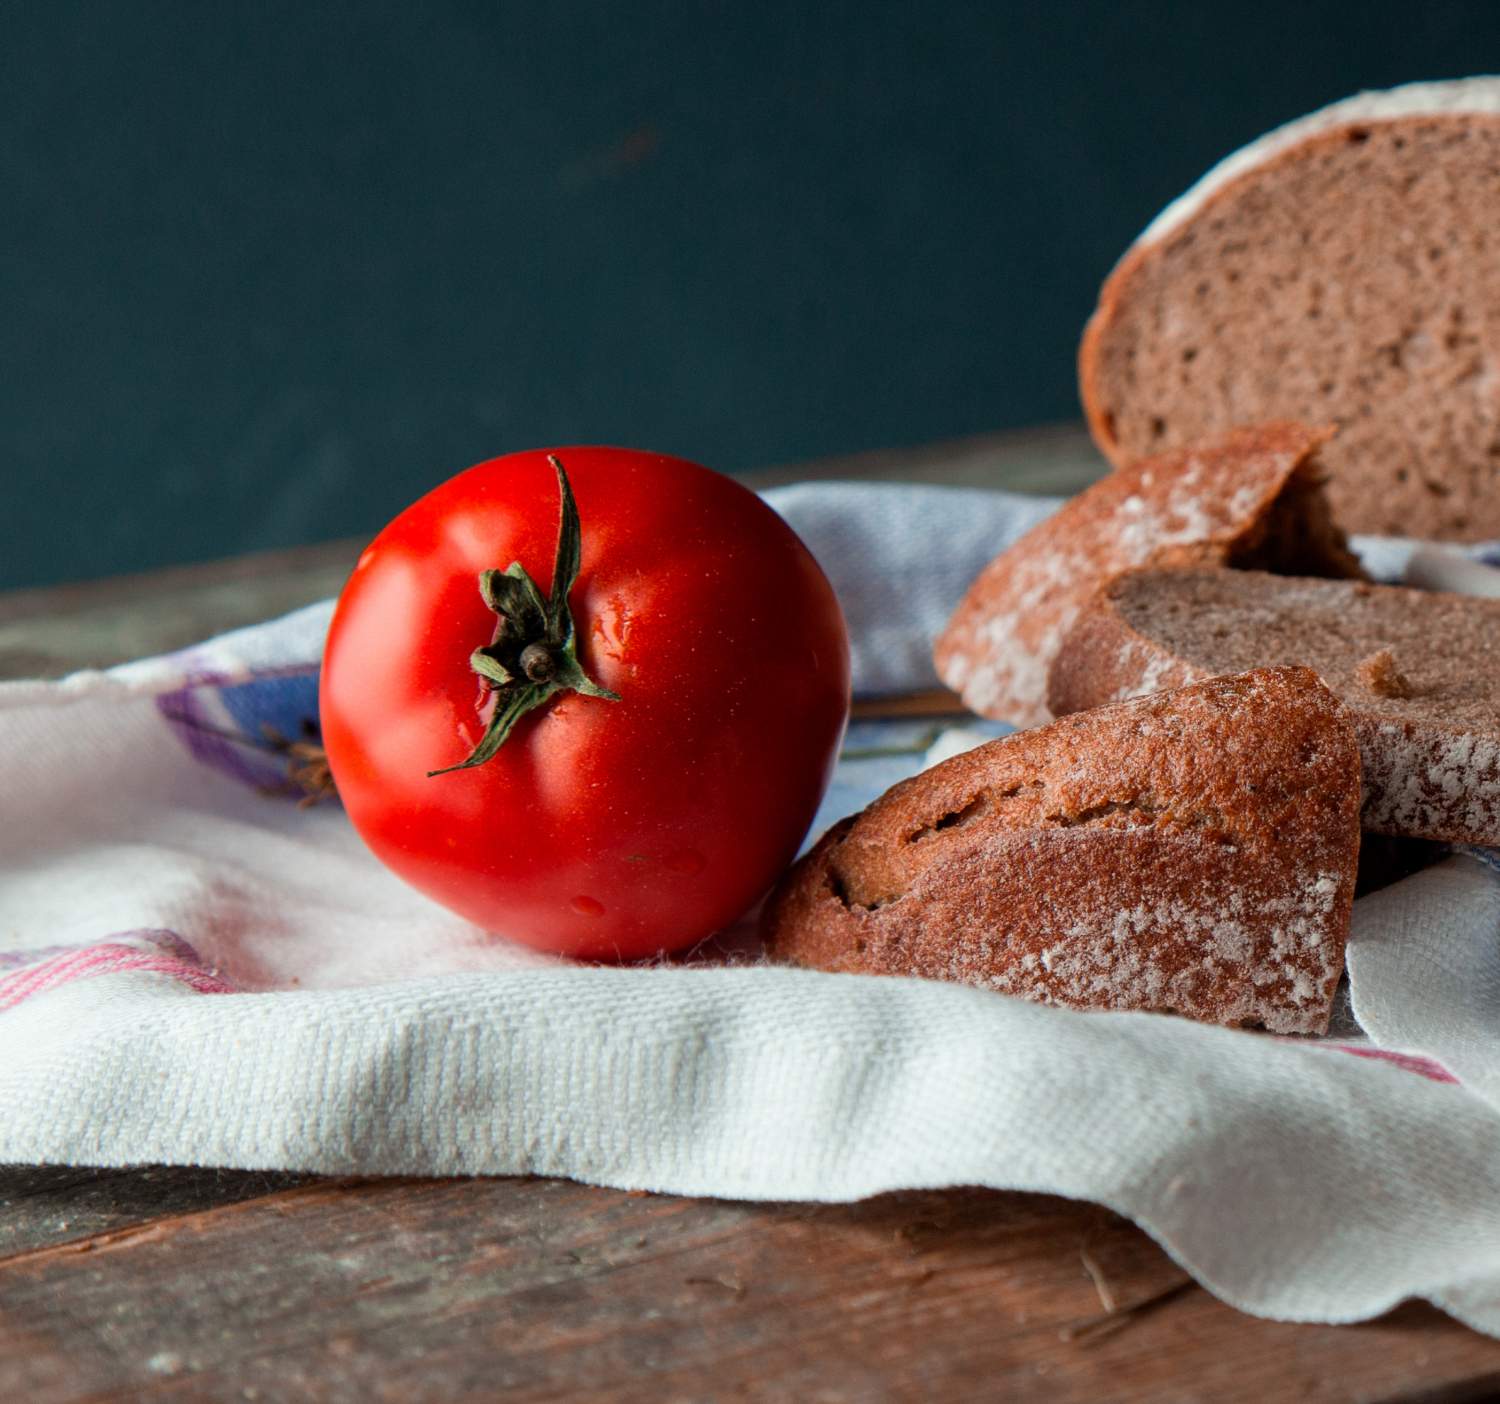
column 195, row 970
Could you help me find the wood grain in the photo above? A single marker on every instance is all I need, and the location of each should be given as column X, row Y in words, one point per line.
column 939, row 702
column 45, row 1204
column 538, row 1289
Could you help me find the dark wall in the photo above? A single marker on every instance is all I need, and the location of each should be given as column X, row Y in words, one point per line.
column 268, row 271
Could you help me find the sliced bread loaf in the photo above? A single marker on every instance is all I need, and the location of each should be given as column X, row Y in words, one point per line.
column 1341, row 270
column 1192, row 852
column 1418, row 669
column 1249, row 498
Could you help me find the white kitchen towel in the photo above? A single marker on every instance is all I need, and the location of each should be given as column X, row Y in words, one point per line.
column 194, row 969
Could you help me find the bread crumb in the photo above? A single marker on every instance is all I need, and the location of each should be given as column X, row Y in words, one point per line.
column 1379, row 674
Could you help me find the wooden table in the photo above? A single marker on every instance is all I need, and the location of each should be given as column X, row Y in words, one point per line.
column 203, row 1284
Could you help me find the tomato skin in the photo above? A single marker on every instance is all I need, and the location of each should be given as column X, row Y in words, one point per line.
column 601, row 829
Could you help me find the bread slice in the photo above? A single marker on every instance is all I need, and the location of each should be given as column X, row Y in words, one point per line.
column 1249, row 498
column 1192, row 852
column 1418, row 669
column 1343, row 270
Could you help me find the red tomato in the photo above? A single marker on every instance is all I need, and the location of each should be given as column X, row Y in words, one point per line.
column 659, row 784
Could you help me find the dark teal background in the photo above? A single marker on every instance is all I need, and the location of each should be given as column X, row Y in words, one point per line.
column 269, row 270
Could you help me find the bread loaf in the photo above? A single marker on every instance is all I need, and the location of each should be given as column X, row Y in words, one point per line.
column 1419, row 671
column 1192, row 852
column 1251, row 497
column 1342, row 270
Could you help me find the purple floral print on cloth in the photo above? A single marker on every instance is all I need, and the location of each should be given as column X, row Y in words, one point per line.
column 254, row 730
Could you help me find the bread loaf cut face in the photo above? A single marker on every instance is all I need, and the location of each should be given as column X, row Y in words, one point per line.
column 1191, row 852
column 1418, row 669
column 1251, row 497
column 1342, row 270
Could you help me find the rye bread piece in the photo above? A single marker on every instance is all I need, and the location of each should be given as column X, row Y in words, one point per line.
column 1250, row 498
column 1192, row 852
column 1341, row 270
column 1418, row 669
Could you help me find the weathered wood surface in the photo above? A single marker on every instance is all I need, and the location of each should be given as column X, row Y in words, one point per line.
column 539, row 1289
column 41, row 1205
column 199, row 1284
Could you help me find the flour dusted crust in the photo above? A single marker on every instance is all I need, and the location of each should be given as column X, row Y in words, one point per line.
column 1340, row 270
column 1248, row 495
column 1418, row 669
column 1191, row 852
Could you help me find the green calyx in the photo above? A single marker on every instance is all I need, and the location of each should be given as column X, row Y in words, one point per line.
column 534, row 653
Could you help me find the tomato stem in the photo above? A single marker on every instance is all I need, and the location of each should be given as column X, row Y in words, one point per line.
column 538, row 663
column 533, row 654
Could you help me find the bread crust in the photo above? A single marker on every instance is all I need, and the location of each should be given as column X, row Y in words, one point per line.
column 1365, row 497
column 1191, row 852
column 1210, row 503
column 1430, row 746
